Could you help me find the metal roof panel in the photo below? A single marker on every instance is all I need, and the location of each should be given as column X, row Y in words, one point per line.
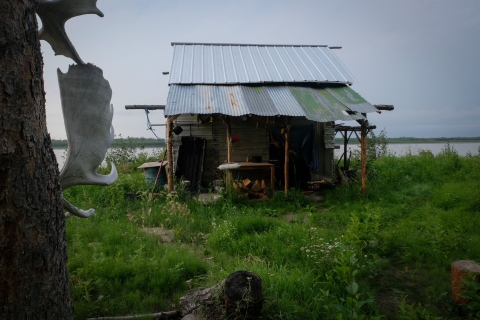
column 316, row 104
column 243, row 64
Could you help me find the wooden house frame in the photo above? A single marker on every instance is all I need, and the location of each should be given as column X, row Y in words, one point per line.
column 212, row 96
column 241, row 99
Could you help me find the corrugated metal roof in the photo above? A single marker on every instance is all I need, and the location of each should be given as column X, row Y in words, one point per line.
column 243, row 64
column 316, row 104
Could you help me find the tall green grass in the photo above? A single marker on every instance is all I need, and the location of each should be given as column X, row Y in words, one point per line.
column 386, row 253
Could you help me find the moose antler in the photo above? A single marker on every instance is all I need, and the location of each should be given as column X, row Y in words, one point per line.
column 85, row 96
column 54, row 14
column 87, row 113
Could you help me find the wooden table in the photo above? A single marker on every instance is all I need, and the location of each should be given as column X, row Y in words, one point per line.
column 259, row 166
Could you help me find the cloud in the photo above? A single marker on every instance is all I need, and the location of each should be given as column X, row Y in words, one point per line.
column 420, row 55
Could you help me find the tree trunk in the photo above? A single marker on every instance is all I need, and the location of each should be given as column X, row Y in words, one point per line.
column 33, row 258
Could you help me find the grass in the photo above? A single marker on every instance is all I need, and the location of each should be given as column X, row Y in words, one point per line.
column 383, row 255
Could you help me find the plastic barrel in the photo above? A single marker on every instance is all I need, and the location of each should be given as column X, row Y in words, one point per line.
column 151, row 175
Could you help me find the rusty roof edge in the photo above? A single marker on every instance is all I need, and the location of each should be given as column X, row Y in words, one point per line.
column 281, row 83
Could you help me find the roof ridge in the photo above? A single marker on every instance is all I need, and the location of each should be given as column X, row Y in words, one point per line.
column 253, row 45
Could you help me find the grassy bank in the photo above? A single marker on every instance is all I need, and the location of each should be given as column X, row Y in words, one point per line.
column 331, row 255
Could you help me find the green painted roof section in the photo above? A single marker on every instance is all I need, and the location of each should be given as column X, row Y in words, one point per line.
column 320, row 104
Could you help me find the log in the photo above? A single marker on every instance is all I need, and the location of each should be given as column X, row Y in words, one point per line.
column 240, row 295
column 263, row 184
column 197, row 301
column 264, row 197
column 159, row 315
column 459, row 270
column 246, row 183
column 268, row 192
column 257, row 186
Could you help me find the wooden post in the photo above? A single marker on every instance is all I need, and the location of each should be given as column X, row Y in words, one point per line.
column 226, row 120
column 345, row 145
column 363, row 145
column 460, row 270
column 229, row 140
column 286, row 170
column 169, row 138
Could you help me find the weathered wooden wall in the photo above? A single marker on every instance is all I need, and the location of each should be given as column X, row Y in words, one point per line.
column 254, row 140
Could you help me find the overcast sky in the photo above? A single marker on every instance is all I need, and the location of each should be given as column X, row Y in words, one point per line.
column 423, row 56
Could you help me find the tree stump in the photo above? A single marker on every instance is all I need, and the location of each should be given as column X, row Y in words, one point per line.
column 239, row 296
column 243, row 293
column 460, row 270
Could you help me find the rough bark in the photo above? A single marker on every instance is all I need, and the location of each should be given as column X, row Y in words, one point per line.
column 33, row 257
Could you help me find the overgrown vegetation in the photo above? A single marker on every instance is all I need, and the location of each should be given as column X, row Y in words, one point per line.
column 385, row 255
column 119, row 141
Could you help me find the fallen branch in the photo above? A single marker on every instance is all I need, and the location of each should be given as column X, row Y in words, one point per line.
column 158, row 315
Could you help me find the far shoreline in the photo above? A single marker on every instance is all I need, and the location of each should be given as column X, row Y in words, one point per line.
column 160, row 143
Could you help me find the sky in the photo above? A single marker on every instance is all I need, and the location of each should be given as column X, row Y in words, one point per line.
column 422, row 56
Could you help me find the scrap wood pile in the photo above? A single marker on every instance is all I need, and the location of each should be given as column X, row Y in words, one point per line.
column 257, row 189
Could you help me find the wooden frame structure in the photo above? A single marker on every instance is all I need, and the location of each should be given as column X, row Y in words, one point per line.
column 364, row 129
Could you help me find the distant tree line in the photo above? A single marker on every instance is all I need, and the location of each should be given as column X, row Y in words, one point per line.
column 160, row 143
column 119, row 142
column 353, row 140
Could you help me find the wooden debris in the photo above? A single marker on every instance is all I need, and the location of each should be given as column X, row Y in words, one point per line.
column 240, row 295
column 159, row 315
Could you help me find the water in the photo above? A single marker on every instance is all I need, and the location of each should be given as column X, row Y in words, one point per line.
column 402, row 149
column 398, row 149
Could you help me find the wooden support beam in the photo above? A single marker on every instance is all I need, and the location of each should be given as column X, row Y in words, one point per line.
column 226, row 119
column 384, row 107
column 142, row 107
column 363, row 150
column 352, row 129
column 345, row 144
column 229, row 143
column 169, row 138
column 286, row 170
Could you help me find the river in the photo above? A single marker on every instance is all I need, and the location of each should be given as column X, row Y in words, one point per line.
column 463, row 148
